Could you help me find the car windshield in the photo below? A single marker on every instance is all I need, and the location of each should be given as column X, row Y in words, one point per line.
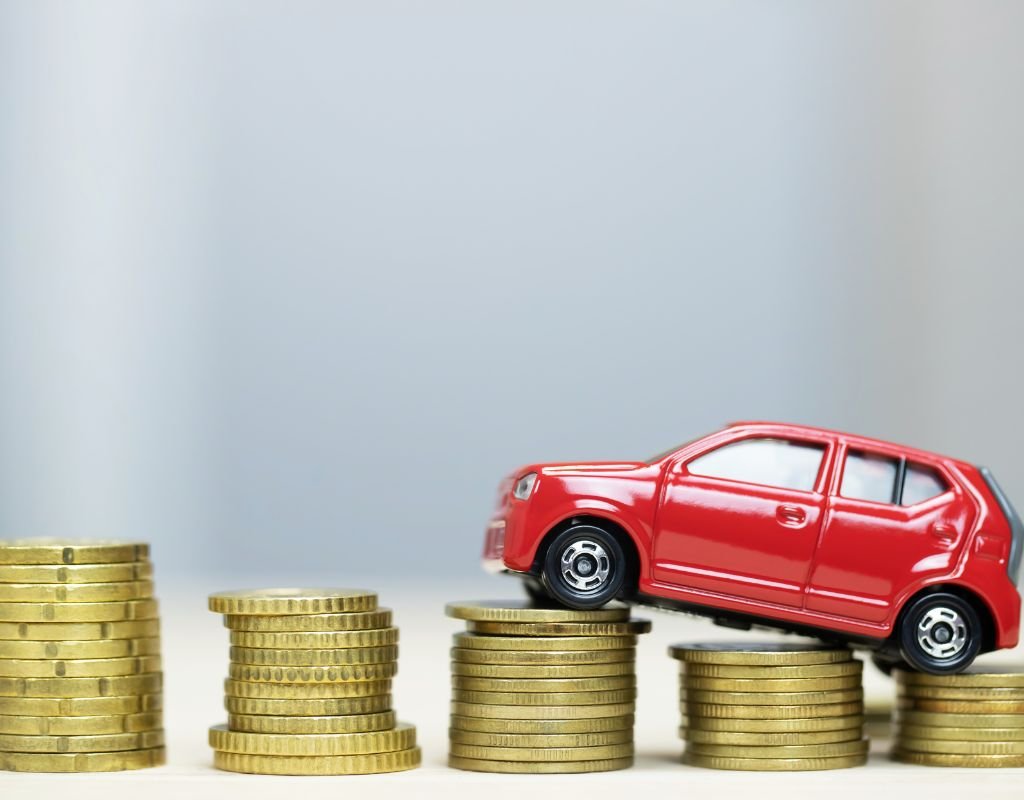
column 665, row 453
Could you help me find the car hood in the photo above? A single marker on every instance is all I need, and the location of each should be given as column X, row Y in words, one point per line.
column 585, row 467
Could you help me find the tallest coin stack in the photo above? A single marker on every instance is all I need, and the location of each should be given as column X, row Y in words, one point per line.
column 80, row 673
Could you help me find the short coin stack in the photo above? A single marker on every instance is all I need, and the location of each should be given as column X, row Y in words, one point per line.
column 543, row 690
column 975, row 719
column 80, row 675
column 777, row 707
column 309, row 685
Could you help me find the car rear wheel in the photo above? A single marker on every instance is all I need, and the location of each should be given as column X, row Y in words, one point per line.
column 940, row 633
column 584, row 567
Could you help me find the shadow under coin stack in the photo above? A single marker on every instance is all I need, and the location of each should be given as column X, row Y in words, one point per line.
column 543, row 690
column 309, row 685
column 80, row 675
column 771, row 707
column 974, row 719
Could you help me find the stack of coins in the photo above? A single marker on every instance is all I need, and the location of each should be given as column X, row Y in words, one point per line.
column 778, row 707
column 80, row 674
column 309, row 685
column 543, row 690
column 975, row 719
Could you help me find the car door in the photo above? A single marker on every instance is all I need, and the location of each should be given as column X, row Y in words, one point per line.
column 742, row 518
column 891, row 522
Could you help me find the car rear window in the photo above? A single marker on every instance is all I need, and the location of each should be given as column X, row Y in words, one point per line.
column 873, row 477
column 921, row 483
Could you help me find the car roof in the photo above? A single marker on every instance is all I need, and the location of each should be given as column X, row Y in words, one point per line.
column 865, row 441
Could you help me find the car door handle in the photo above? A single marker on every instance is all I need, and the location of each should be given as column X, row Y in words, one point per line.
column 790, row 516
column 940, row 530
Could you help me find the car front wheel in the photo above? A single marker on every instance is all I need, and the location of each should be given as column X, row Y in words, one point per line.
column 585, row 567
column 940, row 634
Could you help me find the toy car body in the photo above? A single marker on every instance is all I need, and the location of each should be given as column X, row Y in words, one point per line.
column 843, row 537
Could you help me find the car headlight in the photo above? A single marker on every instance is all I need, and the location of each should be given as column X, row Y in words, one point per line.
column 524, row 486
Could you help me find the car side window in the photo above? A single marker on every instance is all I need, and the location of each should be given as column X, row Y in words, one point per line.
column 921, row 483
column 769, row 462
column 867, row 476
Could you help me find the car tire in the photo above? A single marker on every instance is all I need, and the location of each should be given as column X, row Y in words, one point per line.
column 585, row 567
column 940, row 633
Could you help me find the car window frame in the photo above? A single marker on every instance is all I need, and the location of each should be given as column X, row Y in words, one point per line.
column 820, row 481
column 843, row 450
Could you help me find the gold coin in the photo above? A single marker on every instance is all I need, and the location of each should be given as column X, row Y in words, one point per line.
column 757, row 726
column 961, row 706
column 545, row 698
column 716, row 710
column 967, row 720
column 959, row 734
column 631, row 628
column 324, row 640
column 340, row 674
column 82, row 762
column 401, row 737
column 522, row 611
column 960, row 693
column 70, row 551
column 542, row 658
column 561, row 644
column 81, row 726
column 80, row 706
column 975, row 677
column 548, row 712
column 774, row 764
column 799, row 685
column 535, row 671
column 305, row 691
column 79, row 631
column 528, row 740
column 394, row 761
column 102, row 743
column 760, row 654
column 147, row 683
column 313, row 658
column 547, row 727
column 310, row 623
column 317, row 707
column 78, row 668
column 527, row 685
column 74, row 592
column 961, row 746
column 541, row 753
column 798, row 738
column 97, row 648
column 956, row 759
column 539, row 767
column 772, row 673
column 832, row 750
column 773, row 698
column 349, row 723
column 79, row 612
column 267, row 602
column 76, row 573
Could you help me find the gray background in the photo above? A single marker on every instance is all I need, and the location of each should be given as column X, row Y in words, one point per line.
column 287, row 287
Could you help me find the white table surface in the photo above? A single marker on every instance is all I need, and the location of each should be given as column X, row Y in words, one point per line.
column 195, row 663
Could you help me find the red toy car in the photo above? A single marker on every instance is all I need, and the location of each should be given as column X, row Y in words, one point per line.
column 914, row 555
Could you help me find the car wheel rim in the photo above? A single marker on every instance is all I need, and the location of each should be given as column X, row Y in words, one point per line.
column 585, row 565
column 942, row 632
